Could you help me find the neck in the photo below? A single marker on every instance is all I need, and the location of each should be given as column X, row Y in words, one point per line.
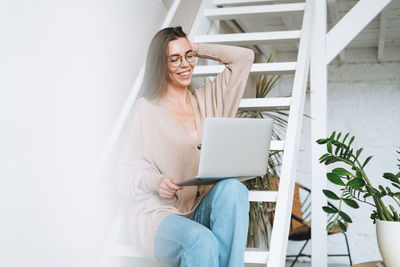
column 178, row 95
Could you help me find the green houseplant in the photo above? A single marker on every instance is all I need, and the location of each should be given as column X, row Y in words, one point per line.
column 356, row 187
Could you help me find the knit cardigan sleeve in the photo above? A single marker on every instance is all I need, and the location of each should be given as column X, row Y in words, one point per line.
column 221, row 97
column 136, row 175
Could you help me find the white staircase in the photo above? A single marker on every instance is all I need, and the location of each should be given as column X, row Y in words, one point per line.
column 295, row 104
column 209, row 14
column 257, row 68
column 240, row 12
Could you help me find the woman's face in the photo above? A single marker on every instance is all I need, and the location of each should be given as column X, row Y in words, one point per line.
column 180, row 76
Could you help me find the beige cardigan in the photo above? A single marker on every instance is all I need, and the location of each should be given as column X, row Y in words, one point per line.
column 158, row 145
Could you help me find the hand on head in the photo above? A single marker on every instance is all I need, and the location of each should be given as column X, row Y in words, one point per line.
column 194, row 47
column 167, row 187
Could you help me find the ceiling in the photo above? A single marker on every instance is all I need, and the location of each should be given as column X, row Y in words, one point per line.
column 378, row 41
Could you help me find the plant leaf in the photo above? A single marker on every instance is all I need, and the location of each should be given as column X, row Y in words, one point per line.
column 341, row 172
column 329, row 209
column 322, row 141
column 366, row 195
column 333, row 178
column 348, row 154
column 324, row 156
column 329, row 146
column 366, row 161
column 359, row 152
column 345, row 217
column 330, row 194
column 351, row 203
column 396, row 185
column 336, row 143
column 351, row 141
column 330, row 160
column 382, row 190
column 345, row 137
column 337, row 149
column 391, row 177
column 342, row 226
column 331, row 225
column 356, row 183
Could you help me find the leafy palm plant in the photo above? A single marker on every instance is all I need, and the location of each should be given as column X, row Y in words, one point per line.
column 260, row 213
column 355, row 184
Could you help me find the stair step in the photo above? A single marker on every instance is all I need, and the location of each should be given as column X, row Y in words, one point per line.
column 265, row 104
column 126, row 251
column 263, row 196
column 251, row 11
column 251, row 38
column 241, row 2
column 252, row 256
column 277, row 145
column 257, row 68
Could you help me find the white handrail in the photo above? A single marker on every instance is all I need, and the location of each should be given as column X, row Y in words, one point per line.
column 280, row 232
column 124, row 113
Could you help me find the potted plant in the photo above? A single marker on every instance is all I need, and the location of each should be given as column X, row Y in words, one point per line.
column 356, row 187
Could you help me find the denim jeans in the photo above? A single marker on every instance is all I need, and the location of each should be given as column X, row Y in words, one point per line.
column 215, row 236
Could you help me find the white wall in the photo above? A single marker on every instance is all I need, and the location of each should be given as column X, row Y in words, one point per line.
column 363, row 99
column 66, row 67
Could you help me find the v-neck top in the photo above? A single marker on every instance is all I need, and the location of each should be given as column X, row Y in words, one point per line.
column 187, row 135
column 156, row 146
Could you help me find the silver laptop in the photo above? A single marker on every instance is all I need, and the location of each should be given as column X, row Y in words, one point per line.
column 233, row 148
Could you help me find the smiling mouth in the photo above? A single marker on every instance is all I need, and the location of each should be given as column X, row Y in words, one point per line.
column 184, row 74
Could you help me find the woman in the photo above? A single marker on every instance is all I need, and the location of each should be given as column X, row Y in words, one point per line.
column 190, row 225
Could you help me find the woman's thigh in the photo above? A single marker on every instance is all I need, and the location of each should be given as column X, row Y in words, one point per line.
column 181, row 241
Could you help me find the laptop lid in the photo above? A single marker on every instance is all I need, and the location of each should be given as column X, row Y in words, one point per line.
column 235, row 147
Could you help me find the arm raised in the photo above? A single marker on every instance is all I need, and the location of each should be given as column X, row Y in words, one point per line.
column 222, row 95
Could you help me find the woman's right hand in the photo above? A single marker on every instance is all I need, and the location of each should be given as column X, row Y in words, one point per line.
column 167, row 187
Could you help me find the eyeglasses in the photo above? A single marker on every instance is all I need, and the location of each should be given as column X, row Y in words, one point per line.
column 176, row 61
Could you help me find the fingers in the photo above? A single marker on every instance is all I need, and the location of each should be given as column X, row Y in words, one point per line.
column 166, row 194
column 167, row 187
column 173, row 185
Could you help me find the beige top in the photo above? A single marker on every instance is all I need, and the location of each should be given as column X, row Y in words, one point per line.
column 194, row 134
column 158, row 145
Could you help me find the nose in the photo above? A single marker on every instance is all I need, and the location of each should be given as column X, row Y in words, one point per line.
column 184, row 62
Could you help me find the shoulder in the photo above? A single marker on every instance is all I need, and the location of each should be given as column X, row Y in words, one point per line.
column 145, row 108
column 142, row 104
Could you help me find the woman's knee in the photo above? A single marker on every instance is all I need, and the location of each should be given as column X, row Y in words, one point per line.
column 234, row 189
column 232, row 193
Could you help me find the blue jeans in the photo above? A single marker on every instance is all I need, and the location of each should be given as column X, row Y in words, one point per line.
column 215, row 236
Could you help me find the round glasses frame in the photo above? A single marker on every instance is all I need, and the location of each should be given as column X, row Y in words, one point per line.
column 176, row 61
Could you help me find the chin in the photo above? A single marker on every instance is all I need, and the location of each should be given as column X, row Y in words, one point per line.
column 187, row 83
column 184, row 83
